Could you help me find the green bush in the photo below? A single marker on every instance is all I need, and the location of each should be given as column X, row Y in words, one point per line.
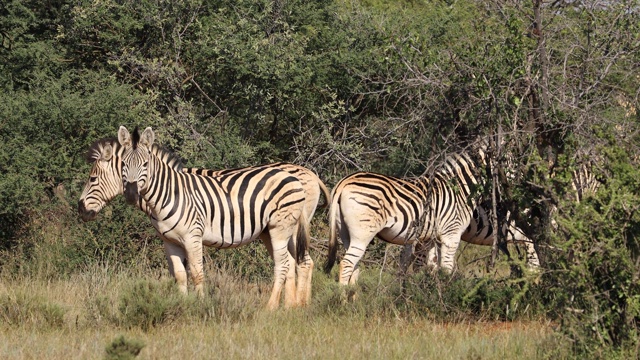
column 436, row 296
column 122, row 348
column 593, row 283
column 147, row 304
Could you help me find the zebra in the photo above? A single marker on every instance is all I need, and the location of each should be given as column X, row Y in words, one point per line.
column 479, row 232
column 584, row 182
column 404, row 211
column 105, row 183
column 313, row 188
column 189, row 210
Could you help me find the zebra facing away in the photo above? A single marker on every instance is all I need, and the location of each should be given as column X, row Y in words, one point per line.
column 403, row 211
column 105, row 183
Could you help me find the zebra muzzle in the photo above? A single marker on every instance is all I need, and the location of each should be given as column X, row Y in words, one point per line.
column 131, row 194
column 85, row 215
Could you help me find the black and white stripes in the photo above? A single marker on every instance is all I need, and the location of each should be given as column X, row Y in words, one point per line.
column 189, row 210
column 402, row 211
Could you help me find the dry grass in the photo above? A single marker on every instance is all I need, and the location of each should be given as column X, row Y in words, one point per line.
column 230, row 323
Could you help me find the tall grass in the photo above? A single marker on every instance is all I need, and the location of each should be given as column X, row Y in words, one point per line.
column 59, row 300
column 83, row 315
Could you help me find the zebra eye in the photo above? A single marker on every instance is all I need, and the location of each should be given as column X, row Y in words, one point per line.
column 93, row 178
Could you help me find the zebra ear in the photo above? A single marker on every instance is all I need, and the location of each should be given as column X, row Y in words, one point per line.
column 124, row 138
column 106, row 152
column 147, row 137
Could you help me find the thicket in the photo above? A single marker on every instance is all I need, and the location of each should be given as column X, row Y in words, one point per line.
column 338, row 86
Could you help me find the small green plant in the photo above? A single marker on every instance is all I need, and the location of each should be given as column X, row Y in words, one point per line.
column 149, row 303
column 122, row 348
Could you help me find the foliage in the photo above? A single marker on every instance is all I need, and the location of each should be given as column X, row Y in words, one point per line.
column 150, row 304
column 338, row 86
column 599, row 304
column 122, row 348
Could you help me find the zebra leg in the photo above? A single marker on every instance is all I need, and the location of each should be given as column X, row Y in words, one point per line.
column 284, row 271
column 406, row 258
column 520, row 238
column 449, row 247
column 434, row 252
column 194, row 261
column 355, row 247
column 175, row 256
column 532, row 255
column 304, row 272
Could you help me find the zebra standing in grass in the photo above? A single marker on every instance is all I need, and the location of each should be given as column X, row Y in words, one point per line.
column 105, row 183
column 313, row 188
column 402, row 211
column 189, row 210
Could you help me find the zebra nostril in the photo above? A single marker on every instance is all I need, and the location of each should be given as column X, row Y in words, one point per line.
column 131, row 193
column 85, row 215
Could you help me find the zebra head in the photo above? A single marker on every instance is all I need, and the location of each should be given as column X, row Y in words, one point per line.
column 135, row 162
column 104, row 178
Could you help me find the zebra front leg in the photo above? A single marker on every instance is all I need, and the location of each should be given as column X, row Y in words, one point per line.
column 175, row 256
column 448, row 249
column 194, row 261
column 434, row 252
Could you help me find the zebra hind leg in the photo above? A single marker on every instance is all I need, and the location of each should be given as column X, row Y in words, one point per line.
column 304, row 272
column 284, row 270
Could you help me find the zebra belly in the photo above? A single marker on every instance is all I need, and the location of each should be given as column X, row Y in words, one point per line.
column 213, row 238
column 394, row 236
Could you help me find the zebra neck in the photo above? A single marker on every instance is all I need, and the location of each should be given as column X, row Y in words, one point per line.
column 162, row 178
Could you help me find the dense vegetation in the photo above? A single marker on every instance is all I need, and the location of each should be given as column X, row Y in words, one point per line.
column 340, row 86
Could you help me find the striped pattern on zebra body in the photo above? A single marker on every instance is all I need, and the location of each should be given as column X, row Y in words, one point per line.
column 313, row 188
column 584, row 182
column 403, row 211
column 479, row 232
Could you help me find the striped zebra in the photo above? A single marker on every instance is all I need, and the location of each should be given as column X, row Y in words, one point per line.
column 313, row 189
column 403, row 211
column 479, row 232
column 105, row 183
column 584, row 182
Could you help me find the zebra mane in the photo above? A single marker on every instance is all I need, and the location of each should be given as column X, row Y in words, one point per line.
column 167, row 156
column 135, row 138
column 473, row 153
column 95, row 150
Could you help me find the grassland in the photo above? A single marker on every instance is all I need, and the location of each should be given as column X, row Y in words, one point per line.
column 79, row 316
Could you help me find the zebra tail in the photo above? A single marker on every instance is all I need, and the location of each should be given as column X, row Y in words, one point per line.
column 333, row 244
column 327, row 194
column 302, row 241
